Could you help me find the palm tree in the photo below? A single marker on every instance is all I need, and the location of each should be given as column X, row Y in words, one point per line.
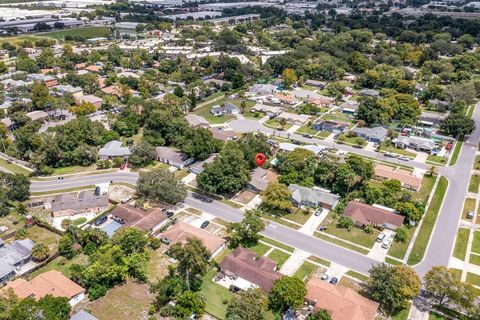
column 243, row 106
column 433, row 170
column 283, row 122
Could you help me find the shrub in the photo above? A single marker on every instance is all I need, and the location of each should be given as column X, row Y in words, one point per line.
column 345, row 222
column 401, row 234
column 40, row 252
column 96, row 291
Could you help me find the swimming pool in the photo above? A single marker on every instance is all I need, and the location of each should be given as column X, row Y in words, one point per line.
column 111, row 227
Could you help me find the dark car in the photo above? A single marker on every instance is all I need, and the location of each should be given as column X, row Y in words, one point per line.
column 334, row 280
column 322, row 228
column 204, row 224
column 100, row 220
column 170, row 214
column 165, row 241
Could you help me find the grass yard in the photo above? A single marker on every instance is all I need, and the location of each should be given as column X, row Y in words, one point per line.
column 399, row 249
column 470, row 111
column 426, row 188
column 277, row 244
column 215, row 295
column 42, row 235
column 402, row 314
column 46, row 193
column 279, row 256
column 19, row 39
column 260, row 249
column 322, row 134
column 79, row 221
column 435, row 316
column 157, row 266
column 475, row 259
column 299, row 216
column 437, row 159
column 350, row 283
column 344, row 139
column 321, row 261
column 337, row 116
column 461, row 243
column 281, row 221
column 87, row 33
column 341, row 243
column 231, row 203
column 130, row 300
column 57, row 264
column 307, row 130
column 428, row 222
column 275, row 124
column 13, row 222
column 393, row 149
column 457, row 273
column 469, row 205
column 357, row 275
column 73, row 169
column 392, row 261
column 474, row 183
column 473, row 278
column 476, row 242
column 355, row 234
column 305, row 270
column 476, row 164
column 12, row 167
column 456, row 153
column 204, row 112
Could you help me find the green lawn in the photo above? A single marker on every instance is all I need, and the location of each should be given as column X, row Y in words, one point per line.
column 322, row 134
column 307, row 130
column 474, row 183
column 275, row 124
column 336, row 116
column 281, row 221
column 87, row 33
column 457, row 273
column 403, row 314
column 476, row 242
column 13, row 167
column 305, row 270
column 473, row 278
column 73, row 169
column 46, row 193
column 392, row 261
column 299, row 216
column 260, row 249
column 278, row 244
column 42, row 235
column 355, row 235
column 475, row 259
column 320, row 261
column 426, row 188
column 357, row 275
column 428, row 222
column 340, row 243
column 456, row 153
column 393, row 149
column 279, row 256
column 470, row 111
column 57, row 264
column 437, row 159
column 216, row 296
column 435, row 316
column 461, row 243
column 469, row 205
column 344, row 139
column 79, row 221
column 476, row 164
column 205, row 113
column 399, row 249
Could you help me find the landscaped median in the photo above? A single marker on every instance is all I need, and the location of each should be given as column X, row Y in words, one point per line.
column 456, row 153
column 423, row 237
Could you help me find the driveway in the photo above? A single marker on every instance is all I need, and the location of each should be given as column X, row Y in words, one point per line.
column 313, row 222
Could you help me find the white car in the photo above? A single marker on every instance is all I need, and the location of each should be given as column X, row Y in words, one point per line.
column 324, row 277
column 386, row 244
column 404, row 158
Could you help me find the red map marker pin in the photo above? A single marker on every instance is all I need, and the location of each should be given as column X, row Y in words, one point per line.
column 260, row 159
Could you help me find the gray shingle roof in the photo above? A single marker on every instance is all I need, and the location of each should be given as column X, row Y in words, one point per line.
column 302, row 194
column 114, row 149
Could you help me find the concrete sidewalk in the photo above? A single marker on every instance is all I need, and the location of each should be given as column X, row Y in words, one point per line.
column 294, row 262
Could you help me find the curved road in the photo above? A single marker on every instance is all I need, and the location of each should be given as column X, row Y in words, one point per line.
column 441, row 242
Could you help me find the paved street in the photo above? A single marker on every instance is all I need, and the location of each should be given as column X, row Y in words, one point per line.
column 441, row 242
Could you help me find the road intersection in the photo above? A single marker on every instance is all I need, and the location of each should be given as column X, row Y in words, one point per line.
column 441, row 241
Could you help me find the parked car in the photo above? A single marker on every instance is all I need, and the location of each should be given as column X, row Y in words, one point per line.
column 471, row 214
column 165, row 241
column 204, row 224
column 404, row 158
column 101, row 220
column 324, row 277
column 386, row 244
column 306, row 135
column 380, row 237
column 334, row 280
column 318, row 212
column 170, row 214
column 322, row 228
column 97, row 190
column 390, row 155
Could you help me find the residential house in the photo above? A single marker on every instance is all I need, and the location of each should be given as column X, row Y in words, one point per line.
column 225, row 109
column 62, row 89
column 181, row 232
column 350, row 77
column 218, row 83
column 51, row 283
column 285, row 98
column 37, row 115
column 82, row 315
column 116, row 91
column 414, row 142
column 321, row 101
column 196, row 121
column 13, row 256
column 349, row 107
column 431, row 119
column 268, row 110
column 67, row 204
column 172, row 157
column 341, row 303
column 330, row 126
column 96, row 101
column 289, row 147
column 198, row 166
column 369, row 93
column 375, row 134
column 10, row 84
column 93, row 68
column 313, row 197
column 316, row 84
column 128, row 74
column 222, row 134
column 407, row 180
column 49, row 81
column 438, row 104
column 293, row 118
column 114, row 149
column 363, row 215
column 146, row 220
column 248, row 271
column 258, row 181
column 262, row 89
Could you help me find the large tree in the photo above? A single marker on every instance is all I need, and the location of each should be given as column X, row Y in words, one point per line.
column 160, row 185
column 287, row 292
column 199, row 143
column 251, row 304
column 392, row 286
column 276, row 198
column 143, row 153
column 319, row 315
column 246, row 232
column 457, row 125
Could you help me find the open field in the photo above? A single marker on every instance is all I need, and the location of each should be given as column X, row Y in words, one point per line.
column 87, row 32
column 429, row 219
column 13, row 167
